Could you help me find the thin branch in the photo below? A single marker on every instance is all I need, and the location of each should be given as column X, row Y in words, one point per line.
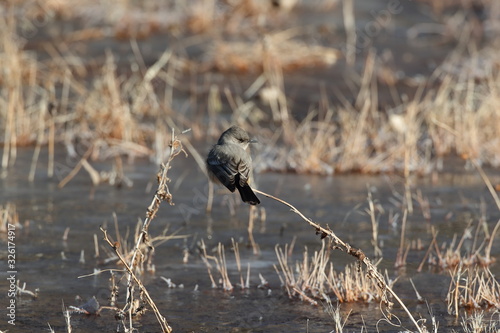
column 487, row 182
column 161, row 194
column 357, row 253
column 163, row 322
column 77, row 168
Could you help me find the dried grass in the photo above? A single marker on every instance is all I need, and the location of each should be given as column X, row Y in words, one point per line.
column 477, row 252
column 440, row 6
column 334, row 313
column 472, row 288
column 314, row 278
column 477, row 322
column 110, row 117
column 47, row 102
column 459, row 117
column 134, row 258
column 21, row 97
column 290, row 54
column 223, row 280
column 8, row 216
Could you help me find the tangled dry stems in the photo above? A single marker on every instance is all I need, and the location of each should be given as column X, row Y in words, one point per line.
column 454, row 254
column 143, row 246
column 478, row 322
column 452, row 113
column 223, row 281
column 338, row 244
column 8, row 215
column 472, row 288
column 314, row 278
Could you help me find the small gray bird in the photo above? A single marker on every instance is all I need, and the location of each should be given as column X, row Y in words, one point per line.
column 229, row 163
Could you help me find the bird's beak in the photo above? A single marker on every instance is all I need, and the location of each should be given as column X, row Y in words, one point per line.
column 253, row 141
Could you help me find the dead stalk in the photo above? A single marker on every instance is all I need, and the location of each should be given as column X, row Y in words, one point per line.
column 161, row 319
column 251, row 221
column 161, row 194
column 237, row 257
column 401, row 257
column 487, row 182
column 67, row 319
column 371, row 211
column 77, row 168
column 350, row 28
column 372, row 271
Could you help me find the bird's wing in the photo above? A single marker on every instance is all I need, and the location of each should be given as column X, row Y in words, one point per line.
column 224, row 169
column 244, row 171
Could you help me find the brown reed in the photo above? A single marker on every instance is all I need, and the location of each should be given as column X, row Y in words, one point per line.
column 384, row 289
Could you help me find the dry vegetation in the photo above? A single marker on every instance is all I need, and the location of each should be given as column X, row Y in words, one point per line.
column 449, row 256
column 473, row 288
column 97, row 110
column 459, row 116
column 223, row 281
column 479, row 322
column 440, row 6
column 9, row 216
column 134, row 259
column 315, row 279
column 90, row 106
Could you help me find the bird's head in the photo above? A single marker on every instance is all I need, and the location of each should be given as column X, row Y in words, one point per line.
column 236, row 135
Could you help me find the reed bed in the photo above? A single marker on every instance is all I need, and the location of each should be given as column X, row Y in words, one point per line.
column 222, row 279
column 314, row 278
column 452, row 113
column 477, row 253
column 480, row 322
column 457, row 118
column 473, row 289
column 281, row 48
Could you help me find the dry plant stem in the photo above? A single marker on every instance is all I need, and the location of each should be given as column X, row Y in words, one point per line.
column 67, row 319
column 497, row 201
column 210, row 199
column 222, row 267
column 487, row 182
column 434, row 235
column 162, row 194
column 163, row 322
column 487, row 251
column 77, row 168
column 10, row 134
column 357, row 253
column 251, row 219
column 376, row 249
column 50, row 163
column 205, row 258
column 238, row 261
column 40, row 139
column 400, row 257
column 350, row 28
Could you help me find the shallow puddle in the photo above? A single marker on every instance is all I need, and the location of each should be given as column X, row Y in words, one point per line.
column 339, row 201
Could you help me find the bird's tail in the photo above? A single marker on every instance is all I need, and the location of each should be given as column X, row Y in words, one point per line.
column 247, row 195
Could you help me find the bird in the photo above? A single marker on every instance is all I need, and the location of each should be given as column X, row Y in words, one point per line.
column 229, row 163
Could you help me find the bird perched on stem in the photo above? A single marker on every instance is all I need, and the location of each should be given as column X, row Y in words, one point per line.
column 229, row 163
